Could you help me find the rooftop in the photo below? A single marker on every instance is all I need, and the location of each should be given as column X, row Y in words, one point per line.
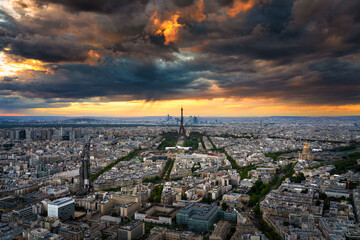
column 131, row 225
column 199, row 210
column 62, row 201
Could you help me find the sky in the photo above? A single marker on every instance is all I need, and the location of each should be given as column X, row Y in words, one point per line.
column 224, row 58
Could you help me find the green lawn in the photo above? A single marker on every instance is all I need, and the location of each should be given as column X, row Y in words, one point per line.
column 169, row 140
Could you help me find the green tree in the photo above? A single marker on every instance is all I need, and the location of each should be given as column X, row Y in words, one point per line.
column 224, row 206
column 155, row 195
column 299, row 178
column 322, row 196
column 305, row 191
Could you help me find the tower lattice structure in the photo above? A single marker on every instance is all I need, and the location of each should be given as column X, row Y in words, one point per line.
column 182, row 131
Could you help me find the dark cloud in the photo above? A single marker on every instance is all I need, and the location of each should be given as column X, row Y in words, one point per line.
column 305, row 51
column 6, row 23
column 275, row 15
column 48, row 49
column 226, row 2
column 335, row 73
column 320, row 83
column 260, row 48
column 103, row 6
column 183, row 3
column 285, row 31
column 15, row 103
column 6, row 20
column 9, row 79
column 5, row 93
column 138, row 80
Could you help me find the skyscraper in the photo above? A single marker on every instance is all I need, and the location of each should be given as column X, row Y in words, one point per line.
column 22, row 134
column 77, row 133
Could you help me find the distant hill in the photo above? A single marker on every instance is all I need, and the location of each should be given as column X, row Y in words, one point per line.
column 33, row 118
column 78, row 120
column 351, row 118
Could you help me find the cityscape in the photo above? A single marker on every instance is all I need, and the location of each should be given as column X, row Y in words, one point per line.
column 179, row 120
column 181, row 177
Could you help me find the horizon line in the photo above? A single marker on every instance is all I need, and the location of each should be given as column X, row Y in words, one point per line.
column 319, row 116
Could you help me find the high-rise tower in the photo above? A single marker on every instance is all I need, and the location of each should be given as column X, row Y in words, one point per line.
column 182, row 131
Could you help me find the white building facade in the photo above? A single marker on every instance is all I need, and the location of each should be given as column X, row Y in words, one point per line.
column 63, row 208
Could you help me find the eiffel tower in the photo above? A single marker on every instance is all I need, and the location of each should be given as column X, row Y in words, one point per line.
column 182, row 131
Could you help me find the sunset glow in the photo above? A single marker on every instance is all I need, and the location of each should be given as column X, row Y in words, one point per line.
column 9, row 67
column 205, row 108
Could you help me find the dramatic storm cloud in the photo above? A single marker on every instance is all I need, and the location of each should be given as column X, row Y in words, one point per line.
column 54, row 53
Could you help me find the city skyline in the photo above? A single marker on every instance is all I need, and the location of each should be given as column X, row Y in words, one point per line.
column 180, row 119
column 219, row 58
column 241, row 179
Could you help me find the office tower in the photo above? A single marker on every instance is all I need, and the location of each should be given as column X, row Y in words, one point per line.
column 22, row 134
column 72, row 134
column 12, row 134
column 49, row 134
column 33, row 135
column 3, row 134
column 77, row 133
column 43, row 134
column 28, row 134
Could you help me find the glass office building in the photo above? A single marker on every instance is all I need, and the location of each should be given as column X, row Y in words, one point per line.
column 198, row 217
column 63, row 208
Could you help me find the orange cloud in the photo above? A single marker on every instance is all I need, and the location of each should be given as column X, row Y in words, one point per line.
column 199, row 48
column 168, row 28
column 240, row 6
column 197, row 11
column 10, row 66
column 93, row 58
